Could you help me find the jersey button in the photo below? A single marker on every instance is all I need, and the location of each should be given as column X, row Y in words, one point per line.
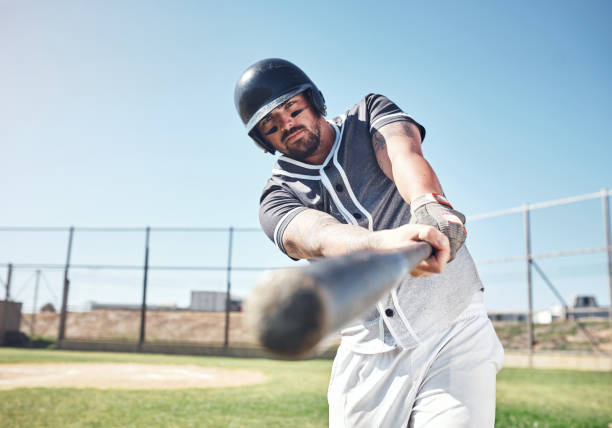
column 357, row 216
column 389, row 312
column 339, row 188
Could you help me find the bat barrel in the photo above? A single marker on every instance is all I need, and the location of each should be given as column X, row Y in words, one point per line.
column 291, row 310
column 354, row 283
column 286, row 312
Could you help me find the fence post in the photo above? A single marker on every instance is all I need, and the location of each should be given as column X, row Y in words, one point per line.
column 33, row 325
column 529, row 284
column 62, row 326
column 143, row 308
column 9, row 275
column 606, row 217
column 228, row 301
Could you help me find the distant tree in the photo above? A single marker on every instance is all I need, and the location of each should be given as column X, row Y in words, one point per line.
column 48, row 307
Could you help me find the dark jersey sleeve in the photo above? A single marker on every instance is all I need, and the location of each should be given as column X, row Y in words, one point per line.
column 383, row 111
column 277, row 207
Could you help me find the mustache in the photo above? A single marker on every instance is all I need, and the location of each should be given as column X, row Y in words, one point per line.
column 291, row 131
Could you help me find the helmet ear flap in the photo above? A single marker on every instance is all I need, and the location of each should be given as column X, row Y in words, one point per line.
column 261, row 141
column 316, row 99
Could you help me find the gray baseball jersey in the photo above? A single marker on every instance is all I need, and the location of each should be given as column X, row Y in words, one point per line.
column 351, row 187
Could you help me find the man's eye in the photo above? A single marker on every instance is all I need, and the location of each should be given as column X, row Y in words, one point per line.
column 295, row 113
column 272, row 130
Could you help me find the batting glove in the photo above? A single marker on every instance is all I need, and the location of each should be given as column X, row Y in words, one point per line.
column 434, row 210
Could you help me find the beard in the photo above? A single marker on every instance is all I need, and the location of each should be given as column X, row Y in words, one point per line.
column 306, row 145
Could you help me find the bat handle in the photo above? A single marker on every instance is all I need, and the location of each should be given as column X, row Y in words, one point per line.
column 416, row 253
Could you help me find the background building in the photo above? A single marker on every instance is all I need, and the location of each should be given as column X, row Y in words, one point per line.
column 213, row 301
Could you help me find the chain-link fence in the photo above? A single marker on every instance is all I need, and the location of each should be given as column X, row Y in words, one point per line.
column 187, row 285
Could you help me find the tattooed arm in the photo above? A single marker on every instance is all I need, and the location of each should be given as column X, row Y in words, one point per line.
column 312, row 234
column 398, row 151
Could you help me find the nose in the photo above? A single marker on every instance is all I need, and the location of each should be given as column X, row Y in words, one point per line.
column 285, row 121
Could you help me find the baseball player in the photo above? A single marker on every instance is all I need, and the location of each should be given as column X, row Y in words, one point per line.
column 426, row 355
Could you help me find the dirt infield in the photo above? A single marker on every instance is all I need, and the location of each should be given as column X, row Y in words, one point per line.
column 123, row 376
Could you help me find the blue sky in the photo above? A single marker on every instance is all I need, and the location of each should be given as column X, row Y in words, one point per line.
column 121, row 114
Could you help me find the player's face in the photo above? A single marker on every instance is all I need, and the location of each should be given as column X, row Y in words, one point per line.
column 293, row 128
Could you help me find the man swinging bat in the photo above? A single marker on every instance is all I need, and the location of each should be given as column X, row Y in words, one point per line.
column 425, row 354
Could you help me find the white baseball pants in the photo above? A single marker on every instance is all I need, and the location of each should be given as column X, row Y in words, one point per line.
column 446, row 381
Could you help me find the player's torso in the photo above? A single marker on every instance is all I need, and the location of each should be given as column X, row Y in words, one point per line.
column 351, row 187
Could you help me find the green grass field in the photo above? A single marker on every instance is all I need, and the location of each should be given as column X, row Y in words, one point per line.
column 293, row 396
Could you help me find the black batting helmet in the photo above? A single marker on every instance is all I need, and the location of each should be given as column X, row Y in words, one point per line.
column 267, row 84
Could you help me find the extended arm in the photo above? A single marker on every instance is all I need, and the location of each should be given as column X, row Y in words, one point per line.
column 312, row 234
column 397, row 146
column 398, row 151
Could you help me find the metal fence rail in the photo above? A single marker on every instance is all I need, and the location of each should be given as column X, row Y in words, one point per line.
column 529, row 258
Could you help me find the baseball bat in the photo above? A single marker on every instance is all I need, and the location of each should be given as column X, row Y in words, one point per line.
column 291, row 310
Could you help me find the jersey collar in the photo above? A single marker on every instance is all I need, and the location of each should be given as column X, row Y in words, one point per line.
column 291, row 165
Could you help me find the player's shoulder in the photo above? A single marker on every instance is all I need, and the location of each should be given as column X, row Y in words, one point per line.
column 370, row 98
column 371, row 101
column 374, row 96
column 361, row 106
column 376, row 100
column 370, row 105
column 273, row 178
